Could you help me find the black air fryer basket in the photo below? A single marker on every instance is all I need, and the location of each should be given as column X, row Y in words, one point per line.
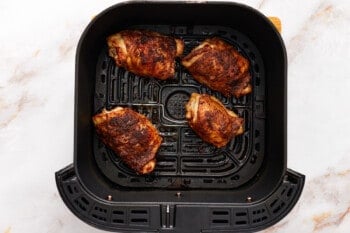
column 195, row 187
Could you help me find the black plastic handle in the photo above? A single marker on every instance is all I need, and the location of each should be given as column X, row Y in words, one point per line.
column 136, row 217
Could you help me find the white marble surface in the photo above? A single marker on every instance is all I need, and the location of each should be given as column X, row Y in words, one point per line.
column 37, row 48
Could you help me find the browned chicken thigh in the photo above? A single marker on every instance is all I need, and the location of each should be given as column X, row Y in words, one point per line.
column 219, row 66
column 145, row 53
column 209, row 118
column 131, row 136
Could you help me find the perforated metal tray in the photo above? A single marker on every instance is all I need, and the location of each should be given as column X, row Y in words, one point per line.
column 184, row 160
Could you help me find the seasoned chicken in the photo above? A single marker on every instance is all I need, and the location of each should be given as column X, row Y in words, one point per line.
column 145, row 53
column 131, row 136
column 219, row 66
column 209, row 118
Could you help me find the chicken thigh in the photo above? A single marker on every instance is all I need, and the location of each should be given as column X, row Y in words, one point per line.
column 209, row 118
column 145, row 53
column 219, row 66
column 131, row 136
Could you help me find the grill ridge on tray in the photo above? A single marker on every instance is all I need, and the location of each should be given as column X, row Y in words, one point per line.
column 183, row 159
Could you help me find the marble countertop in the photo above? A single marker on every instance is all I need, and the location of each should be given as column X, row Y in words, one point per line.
column 37, row 48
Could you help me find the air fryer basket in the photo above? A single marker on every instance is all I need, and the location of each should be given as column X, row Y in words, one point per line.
column 195, row 187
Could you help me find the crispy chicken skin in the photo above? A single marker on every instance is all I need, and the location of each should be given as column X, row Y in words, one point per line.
column 219, row 66
column 145, row 53
column 131, row 136
column 209, row 118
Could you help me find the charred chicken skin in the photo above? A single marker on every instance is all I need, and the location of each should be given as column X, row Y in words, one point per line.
column 131, row 136
column 219, row 66
column 209, row 118
column 145, row 53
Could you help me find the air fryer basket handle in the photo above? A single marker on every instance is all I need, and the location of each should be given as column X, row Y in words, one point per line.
column 118, row 217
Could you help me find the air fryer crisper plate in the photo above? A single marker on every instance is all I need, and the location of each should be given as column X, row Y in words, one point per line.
column 184, row 160
column 195, row 187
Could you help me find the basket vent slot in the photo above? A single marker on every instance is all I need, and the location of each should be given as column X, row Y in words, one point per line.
column 139, row 217
column 118, row 216
column 139, row 211
column 277, row 204
column 241, row 218
column 220, row 212
column 258, row 220
column 99, row 217
column 239, row 214
column 273, row 203
column 278, row 208
column 290, row 191
column 259, row 215
column 241, row 222
column 99, row 213
column 220, row 217
column 103, row 78
column 283, row 191
column 220, row 221
column 120, row 221
column 82, row 203
column 72, row 189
